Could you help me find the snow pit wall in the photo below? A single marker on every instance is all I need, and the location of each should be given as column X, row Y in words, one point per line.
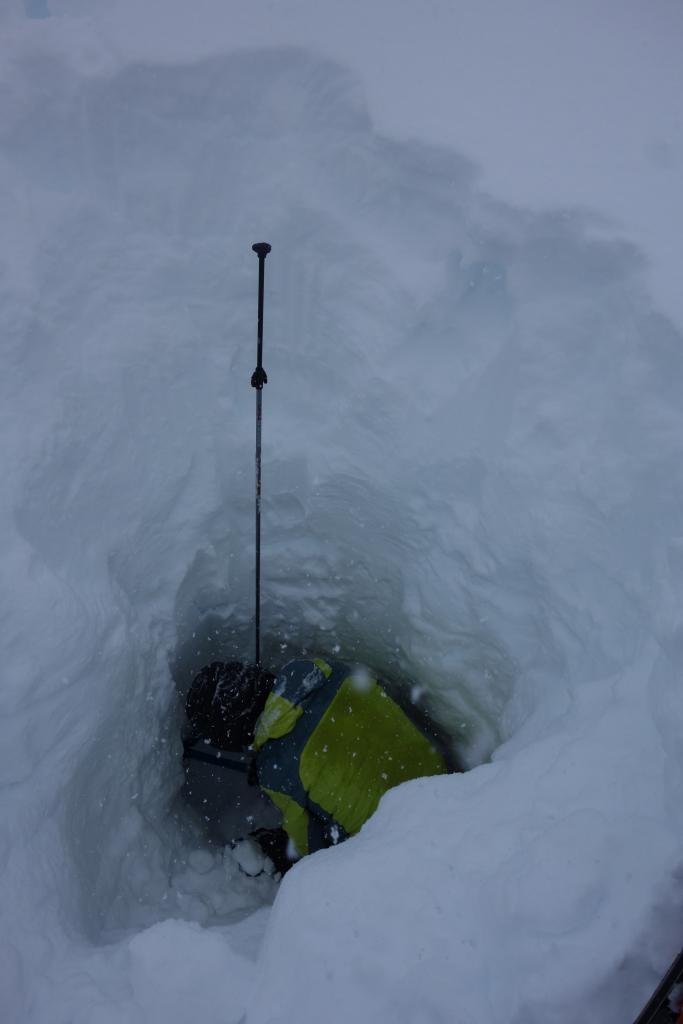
column 471, row 452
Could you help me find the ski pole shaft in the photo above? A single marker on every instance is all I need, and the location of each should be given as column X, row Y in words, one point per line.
column 195, row 753
column 258, row 379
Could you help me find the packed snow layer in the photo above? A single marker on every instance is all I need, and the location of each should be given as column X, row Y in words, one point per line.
column 576, row 104
column 473, row 482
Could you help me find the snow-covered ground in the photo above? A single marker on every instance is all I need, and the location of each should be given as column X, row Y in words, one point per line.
column 473, row 473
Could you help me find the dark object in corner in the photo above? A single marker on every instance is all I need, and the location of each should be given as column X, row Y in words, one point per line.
column 656, row 1010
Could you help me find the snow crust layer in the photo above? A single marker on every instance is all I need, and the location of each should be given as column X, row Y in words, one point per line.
column 473, row 482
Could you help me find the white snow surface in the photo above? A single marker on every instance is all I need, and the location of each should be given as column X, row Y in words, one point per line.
column 473, row 476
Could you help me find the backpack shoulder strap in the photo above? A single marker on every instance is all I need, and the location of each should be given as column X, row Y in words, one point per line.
column 294, row 685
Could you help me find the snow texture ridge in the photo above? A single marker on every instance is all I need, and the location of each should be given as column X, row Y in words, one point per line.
column 473, row 481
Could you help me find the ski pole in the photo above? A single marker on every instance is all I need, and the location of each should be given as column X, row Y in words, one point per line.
column 192, row 752
column 258, row 379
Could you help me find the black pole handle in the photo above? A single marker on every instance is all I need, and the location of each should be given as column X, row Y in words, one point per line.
column 259, row 376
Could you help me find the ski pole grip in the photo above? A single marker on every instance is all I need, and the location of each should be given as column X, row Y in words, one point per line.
column 259, row 377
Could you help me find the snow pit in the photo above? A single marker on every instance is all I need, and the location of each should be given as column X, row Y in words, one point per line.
column 472, row 474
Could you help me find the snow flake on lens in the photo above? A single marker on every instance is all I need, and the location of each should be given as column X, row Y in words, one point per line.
column 361, row 679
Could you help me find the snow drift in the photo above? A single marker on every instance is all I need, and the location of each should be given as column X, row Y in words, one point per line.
column 472, row 470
